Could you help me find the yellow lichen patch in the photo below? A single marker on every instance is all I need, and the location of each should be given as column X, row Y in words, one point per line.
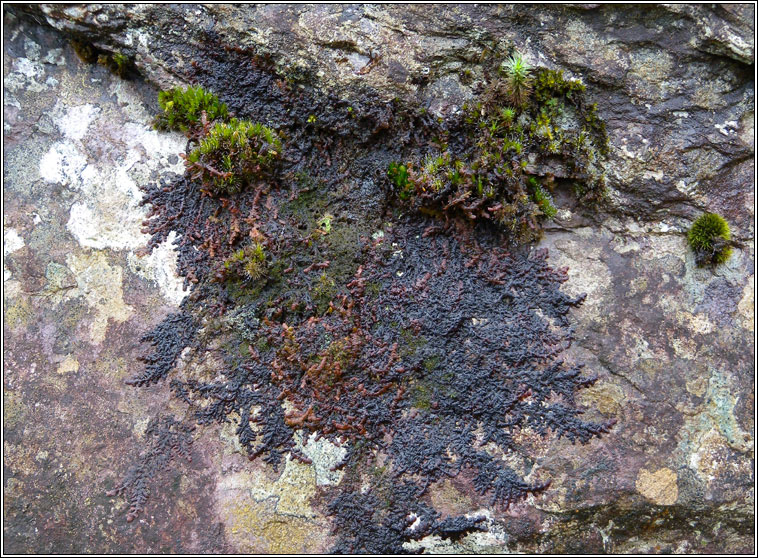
column 19, row 458
column 659, row 486
column 697, row 323
column 18, row 315
column 295, row 488
column 697, row 386
column 101, row 286
column 272, row 517
column 69, row 364
column 605, row 397
column 648, row 74
column 13, row 409
column 637, row 285
column 111, row 366
column 256, row 528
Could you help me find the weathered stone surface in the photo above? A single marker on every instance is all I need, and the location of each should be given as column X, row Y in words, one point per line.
column 672, row 343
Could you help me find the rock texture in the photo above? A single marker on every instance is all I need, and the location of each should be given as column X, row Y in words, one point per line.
column 672, row 343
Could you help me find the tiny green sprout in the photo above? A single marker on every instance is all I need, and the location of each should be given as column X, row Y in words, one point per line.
column 507, row 114
column 398, row 174
column 312, row 119
column 709, row 238
column 325, row 223
column 518, row 77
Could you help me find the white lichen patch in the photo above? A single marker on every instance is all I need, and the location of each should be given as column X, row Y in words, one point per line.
column 108, row 215
column 73, row 122
column 325, row 455
column 25, row 75
column 105, row 156
column 100, row 284
column 11, row 243
column 491, row 540
column 581, row 253
column 160, row 268
column 63, row 164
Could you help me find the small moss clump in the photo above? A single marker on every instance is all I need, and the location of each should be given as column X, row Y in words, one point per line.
column 117, row 63
column 248, row 262
column 234, row 154
column 398, row 174
column 183, row 108
column 709, row 238
column 528, row 123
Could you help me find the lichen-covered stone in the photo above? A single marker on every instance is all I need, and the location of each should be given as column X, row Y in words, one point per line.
column 673, row 343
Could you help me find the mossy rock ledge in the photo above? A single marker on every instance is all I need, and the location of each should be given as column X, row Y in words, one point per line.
column 425, row 309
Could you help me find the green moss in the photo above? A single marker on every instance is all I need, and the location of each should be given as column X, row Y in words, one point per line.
column 261, row 345
column 234, row 154
column 514, row 129
column 248, row 262
column 373, row 288
column 120, row 60
column 398, row 174
column 421, row 396
column 183, row 108
column 412, row 342
column 709, row 238
column 550, row 84
column 85, row 51
column 543, row 199
column 518, row 79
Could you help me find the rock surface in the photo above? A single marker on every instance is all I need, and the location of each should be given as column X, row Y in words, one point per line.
column 672, row 343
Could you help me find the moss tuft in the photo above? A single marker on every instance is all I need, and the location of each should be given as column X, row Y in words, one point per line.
column 183, row 108
column 233, row 155
column 709, row 238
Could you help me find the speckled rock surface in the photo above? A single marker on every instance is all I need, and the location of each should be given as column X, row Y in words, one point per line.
column 672, row 343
